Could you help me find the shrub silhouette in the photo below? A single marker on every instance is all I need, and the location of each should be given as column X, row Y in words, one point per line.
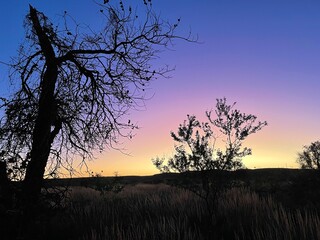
column 206, row 169
column 309, row 158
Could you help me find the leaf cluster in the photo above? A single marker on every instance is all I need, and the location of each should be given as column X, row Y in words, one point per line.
column 309, row 158
column 195, row 149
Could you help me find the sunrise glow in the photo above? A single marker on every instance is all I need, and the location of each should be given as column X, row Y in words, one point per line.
column 263, row 55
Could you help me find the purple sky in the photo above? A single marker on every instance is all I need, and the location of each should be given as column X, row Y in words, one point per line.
column 265, row 55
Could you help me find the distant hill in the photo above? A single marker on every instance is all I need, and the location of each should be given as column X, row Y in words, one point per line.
column 271, row 175
column 292, row 187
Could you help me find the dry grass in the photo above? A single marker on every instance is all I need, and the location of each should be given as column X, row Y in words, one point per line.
column 139, row 212
column 158, row 211
column 252, row 217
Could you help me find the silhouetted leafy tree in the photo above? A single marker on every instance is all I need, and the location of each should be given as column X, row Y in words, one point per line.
column 309, row 158
column 235, row 127
column 76, row 86
column 196, row 155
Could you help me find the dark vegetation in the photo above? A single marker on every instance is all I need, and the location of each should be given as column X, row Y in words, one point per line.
column 74, row 92
column 265, row 204
column 296, row 188
column 309, row 158
column 75, row 86
column 196, row 150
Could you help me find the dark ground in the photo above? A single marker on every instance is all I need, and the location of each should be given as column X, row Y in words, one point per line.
column 292, row 187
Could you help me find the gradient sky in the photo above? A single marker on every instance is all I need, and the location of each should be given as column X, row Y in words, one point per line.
column 265, row 55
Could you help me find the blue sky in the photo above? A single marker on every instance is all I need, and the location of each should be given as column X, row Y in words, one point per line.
column 265, row 55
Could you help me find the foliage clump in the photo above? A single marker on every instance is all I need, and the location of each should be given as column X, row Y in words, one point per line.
column 309, row 158
column 197, row 155
column 104, row 185
column 195, row 148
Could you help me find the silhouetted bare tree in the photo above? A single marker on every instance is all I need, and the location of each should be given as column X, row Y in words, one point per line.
column 76, row 86
column 309, row 158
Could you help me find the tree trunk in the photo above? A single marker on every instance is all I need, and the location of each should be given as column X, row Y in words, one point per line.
column 3, row 174
column 42, row 137
column 5, row 191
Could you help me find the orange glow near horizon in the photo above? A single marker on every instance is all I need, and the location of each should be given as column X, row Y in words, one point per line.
column 263, row 55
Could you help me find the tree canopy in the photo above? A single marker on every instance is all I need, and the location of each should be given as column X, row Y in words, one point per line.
column 76, row 85
column 309, row 158
column 195, row 149
column 205, row 167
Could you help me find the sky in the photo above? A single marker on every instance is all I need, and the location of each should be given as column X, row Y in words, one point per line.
column 264, row 55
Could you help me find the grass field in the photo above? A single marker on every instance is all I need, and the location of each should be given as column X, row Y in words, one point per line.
column 159, row 211
column 147, row 211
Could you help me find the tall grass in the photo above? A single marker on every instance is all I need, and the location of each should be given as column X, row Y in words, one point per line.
column 140, row 212
column 158, row 211
column 248, row 216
